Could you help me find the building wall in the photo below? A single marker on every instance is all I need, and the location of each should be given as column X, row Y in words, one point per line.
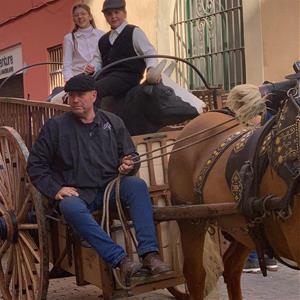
column 271, row 31
column 272, row 38
column 281, row 35
column 271, row 35
column 253, row 41
column 142, row 13
column 36, row 30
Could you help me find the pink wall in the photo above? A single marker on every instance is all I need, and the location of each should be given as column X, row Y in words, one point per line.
column 36, row 30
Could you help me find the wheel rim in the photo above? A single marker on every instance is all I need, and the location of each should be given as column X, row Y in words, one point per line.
column 23, row 239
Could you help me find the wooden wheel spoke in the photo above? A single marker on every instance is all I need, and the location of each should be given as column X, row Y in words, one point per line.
column 3, row 200
column 5, row 195
column 9, row 267
column 28, row 227
column 4, row 290
column 27, row 284
column 23, row 197
column 30, row 266
column 4, row 248
column 30, row 244
column 14, row 284
column 26, row 206
column 19, row 272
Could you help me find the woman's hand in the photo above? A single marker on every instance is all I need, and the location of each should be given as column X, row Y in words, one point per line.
column 89, row 69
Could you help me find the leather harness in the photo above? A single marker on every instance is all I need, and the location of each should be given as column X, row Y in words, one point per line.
column 276, row 143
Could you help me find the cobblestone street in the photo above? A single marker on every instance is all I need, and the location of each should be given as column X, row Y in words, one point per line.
column 281, row 285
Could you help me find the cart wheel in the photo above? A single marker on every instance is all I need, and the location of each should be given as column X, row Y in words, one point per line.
column 179, row 292
column 24, row 259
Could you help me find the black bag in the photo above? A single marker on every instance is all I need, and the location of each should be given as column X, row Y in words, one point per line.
column 147, row 108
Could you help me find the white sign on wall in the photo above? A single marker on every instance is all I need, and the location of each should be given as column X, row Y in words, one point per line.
column 10, row 61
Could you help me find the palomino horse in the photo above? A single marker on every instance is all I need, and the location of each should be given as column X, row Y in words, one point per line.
column 188, row 169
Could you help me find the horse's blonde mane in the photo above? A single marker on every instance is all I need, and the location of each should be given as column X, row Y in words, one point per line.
column 246, row 101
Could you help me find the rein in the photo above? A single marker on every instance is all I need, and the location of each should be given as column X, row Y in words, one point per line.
column 186, row 138
column 115, row 183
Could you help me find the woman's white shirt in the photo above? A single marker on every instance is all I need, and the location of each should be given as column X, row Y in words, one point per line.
column 77, row 55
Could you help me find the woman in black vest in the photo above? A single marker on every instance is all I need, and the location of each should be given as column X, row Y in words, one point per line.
column 122, row 41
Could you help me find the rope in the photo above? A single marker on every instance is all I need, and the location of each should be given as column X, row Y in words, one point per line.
column 188, row 137
column 183, row 147
column 105, row 220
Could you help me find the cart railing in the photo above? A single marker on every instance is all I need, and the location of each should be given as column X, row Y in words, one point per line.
column 214, row 99
column 27, row 116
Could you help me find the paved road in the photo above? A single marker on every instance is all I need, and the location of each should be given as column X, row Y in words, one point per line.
column 281, row 285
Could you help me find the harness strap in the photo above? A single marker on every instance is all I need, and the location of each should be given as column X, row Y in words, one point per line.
column 198, row 189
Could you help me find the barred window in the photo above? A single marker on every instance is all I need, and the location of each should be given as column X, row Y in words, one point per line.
column 55, row 54
column 209, row 33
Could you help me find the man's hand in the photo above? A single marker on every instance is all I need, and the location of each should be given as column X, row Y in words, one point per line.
column 66, row 192
column 126, row 165
column 89, row 69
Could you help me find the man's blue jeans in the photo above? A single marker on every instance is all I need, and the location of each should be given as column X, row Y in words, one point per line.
column 134, row 194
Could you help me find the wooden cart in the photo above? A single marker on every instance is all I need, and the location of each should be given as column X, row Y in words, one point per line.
column 37, row 245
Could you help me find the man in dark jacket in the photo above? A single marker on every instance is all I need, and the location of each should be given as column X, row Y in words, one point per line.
column 75, row 156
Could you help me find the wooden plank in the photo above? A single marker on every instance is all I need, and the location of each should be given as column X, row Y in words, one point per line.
column 205, row 211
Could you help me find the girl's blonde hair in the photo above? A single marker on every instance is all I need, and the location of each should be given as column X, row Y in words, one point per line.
column 88, row 10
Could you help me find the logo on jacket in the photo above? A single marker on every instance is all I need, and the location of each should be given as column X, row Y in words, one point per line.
column 107, row 126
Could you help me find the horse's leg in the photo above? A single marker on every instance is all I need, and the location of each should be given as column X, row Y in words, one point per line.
column 234, row 259
column 192, row 238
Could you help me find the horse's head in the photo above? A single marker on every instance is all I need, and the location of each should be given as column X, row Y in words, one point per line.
column 284, row 157
column 282, row 141
column 281, row 100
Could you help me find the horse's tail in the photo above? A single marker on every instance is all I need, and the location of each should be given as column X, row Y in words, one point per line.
column 246, row 101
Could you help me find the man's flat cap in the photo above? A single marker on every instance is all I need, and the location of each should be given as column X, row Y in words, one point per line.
column 113, row 4
column 80, row 83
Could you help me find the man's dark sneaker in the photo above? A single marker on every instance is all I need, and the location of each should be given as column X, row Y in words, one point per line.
column 251, row 266
column 128, row 269
column 153, row 263
column 271, row 264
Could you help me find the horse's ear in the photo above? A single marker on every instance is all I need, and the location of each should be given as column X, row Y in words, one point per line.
column 246, row 101
column 169, row 69
column 154, row 74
